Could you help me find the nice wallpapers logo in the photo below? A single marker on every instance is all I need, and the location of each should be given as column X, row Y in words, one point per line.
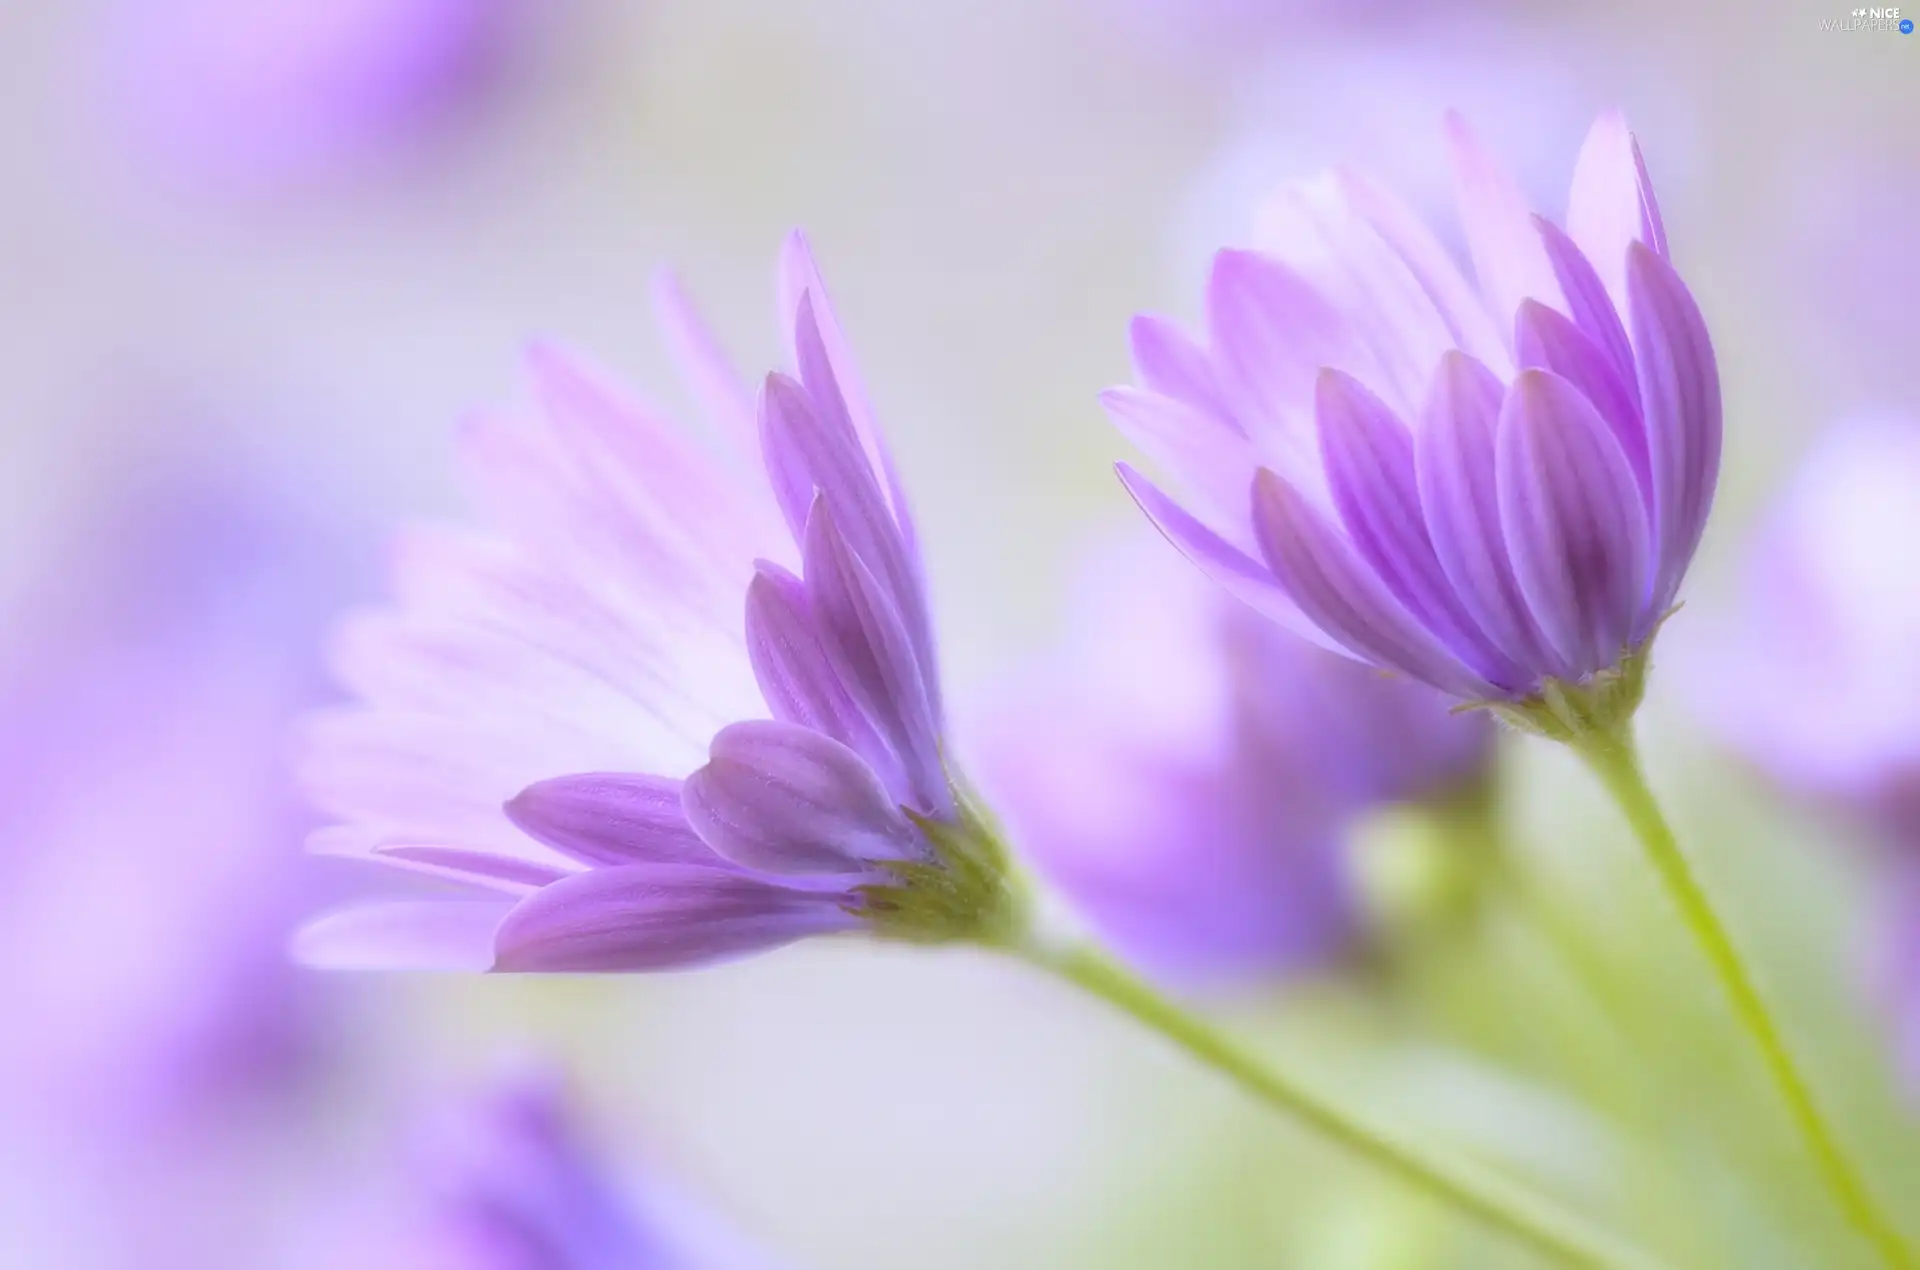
column 1883, row 19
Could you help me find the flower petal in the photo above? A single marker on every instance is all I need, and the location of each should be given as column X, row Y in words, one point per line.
column 883, row 536
column 1170, row 363
column 1545, row 338
column 800, row 284
column 1507, row 256
column 1271, row 331
column 874, row 656
column 1460, row 497
column 811, row 452
column 403, row 935
column 703, row 365
column 1611, row 204
column 1575, row 526
column 1370, row 464
column 797, row 674
column 1340, row 592
column 1398, row 331
column 1206, row 454
column 788, row 800
column 1248, row 580
column 1588, row 303
column 1680, row 396
column 1471, row 327
column 610, row 818
column 648, row 917
column 483, row 868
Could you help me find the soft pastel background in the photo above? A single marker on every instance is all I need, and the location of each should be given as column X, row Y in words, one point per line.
column 238, row 320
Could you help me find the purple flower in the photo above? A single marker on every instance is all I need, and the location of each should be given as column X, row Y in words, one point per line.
column 571, row 721
column 1495, row 491
column 506, row 1181
column 146, row 884
column 1815, row 683
column 1186, row 772
column 270, row 89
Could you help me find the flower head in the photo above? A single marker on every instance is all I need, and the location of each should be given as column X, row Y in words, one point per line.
column 1186, row 772
column 1495, row 490
column 573, row 718
column 1815, row 684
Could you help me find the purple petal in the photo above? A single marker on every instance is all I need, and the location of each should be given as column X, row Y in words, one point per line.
column 1248, row 580
column 657, row 917
column 881, row 535
column 1370, row 465
column 1169, row 362
column 796, row 673
column 1574, row 523
column 1545, row 338
column 1680, row 395
column 1398, row 331
column 785, row 799
column 710, row 377
column 1460, row 497
column 483, row 867
column 1464, row 312
column 1611, row 204
column 1271, row 332
column 610, row 818
column 870, row 647
column 1205, row 453
column 1507, row 255
column 800, row 283
column 811, row 452
column 1340, row 592
column 1588, row 303
column 409, row 935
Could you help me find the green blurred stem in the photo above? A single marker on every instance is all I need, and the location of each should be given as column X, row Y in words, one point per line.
column 1614, row 759
column 1559, row 1235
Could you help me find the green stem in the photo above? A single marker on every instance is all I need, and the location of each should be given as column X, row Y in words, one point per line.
column 1559, row 1235
column 1613, row 759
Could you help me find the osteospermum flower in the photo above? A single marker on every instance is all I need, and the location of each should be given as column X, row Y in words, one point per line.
column 573, row 719
column 1493, row 489
column 1187, row 773
column 1830, row 624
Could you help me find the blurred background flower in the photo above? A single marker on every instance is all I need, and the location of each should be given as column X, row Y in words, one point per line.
column 1187, row 774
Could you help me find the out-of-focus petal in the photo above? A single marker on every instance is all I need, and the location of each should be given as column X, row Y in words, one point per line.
column 703, row 364
column 1508, row 258
column 1271, row 331
column 657, row 917
column 1170, row 363
column 1245, row 578
column 404, row 935
column 1611, row 205
column 1468, row 323
column 1206, row 454
column 1575, row 527
column 1393, row 317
